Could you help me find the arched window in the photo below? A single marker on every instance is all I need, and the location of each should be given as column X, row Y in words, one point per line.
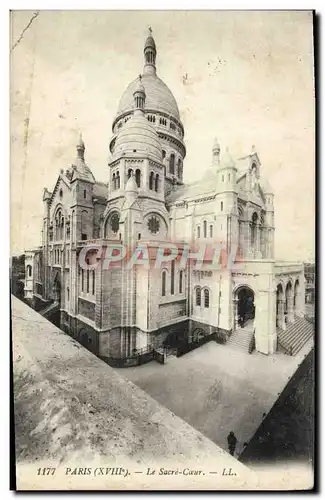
column 254, row 229
column 206, row 298
column 151, row 180
column 198, row 296
column 179, row 168
column 138, row 177
column 181, row 282
column 163, row 154
column 93, row 281
column 156, row 183
column 87, row 288
column 163, row 283
column 118, row 181
column 172, row 278
column 172, row 164
column 85, row 194
column 223, row 178
column 204, row 229
column 114, row 182
column 211, row 231
column 221, row 206
column 130, row 172
column 228, row 177
column 84, row 225
column 29, row 270
column 198, row 231
column 68, row 294
column 72, row 225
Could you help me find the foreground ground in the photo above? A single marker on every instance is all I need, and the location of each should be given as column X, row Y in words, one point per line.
column 73, row 411
column 217, row 389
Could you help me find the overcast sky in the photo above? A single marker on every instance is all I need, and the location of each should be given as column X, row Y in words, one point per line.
column 250, row 81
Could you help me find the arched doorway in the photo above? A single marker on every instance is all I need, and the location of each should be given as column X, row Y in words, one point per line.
column 56, row 288
column 280, row 315
column 245, row 307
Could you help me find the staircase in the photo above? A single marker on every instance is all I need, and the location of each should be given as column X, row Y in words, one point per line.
column 50, row 309
column 240, row 339
column 296, row 335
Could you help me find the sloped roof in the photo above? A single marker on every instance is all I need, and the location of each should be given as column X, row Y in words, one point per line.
column 206, row 186
column 100, row 190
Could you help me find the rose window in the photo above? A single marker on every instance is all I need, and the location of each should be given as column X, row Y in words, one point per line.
column 115, row 222
column 153, row 224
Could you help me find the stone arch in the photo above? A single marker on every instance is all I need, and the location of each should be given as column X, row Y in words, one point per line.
column 280, row 299
column 197, row 296
column 244, row 302
column 163, row 277
column 111, row 223
column 29, row 270
column 151, row 180
column 206, row 302
column 158, row 213
column 56, row 288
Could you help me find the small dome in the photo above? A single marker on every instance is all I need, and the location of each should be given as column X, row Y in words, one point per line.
column 216, row 144
column 150, row 43
column 158, row 96
column 227, row 160
column 139, row 87
column 131, row 185
column 266, row 187
column 138, row 136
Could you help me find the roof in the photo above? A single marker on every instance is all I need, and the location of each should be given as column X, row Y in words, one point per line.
column 100, row 190
column 82, row 171
column 158, row 96
column 206, row 186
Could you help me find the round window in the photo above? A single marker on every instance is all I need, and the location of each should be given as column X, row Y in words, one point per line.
column 153, row 224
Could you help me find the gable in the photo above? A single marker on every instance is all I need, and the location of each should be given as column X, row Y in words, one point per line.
column 60, row 190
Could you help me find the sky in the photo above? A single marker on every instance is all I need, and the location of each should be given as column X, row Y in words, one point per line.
column 249, row 81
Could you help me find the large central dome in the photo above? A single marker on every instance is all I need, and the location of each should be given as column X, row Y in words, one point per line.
column 162, row 137
column 158, row 96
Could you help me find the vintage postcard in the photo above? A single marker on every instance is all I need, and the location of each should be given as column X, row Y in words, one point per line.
column 162, row 249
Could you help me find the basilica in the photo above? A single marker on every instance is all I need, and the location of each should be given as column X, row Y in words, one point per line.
column 119, row 310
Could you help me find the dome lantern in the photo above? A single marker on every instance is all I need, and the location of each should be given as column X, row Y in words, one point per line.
column 80, row 148
column 139, row 96
column 216, row 152
column 150, row 53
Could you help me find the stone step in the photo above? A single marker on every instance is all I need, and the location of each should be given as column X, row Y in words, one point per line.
column 296, row 335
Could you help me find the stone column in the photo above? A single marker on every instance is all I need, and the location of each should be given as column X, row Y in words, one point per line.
column 257, row 250
column 236, row 315
column 280, row 317
column 290, row 309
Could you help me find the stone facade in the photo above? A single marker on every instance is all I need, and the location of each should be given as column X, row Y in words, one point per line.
column 117, row 309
